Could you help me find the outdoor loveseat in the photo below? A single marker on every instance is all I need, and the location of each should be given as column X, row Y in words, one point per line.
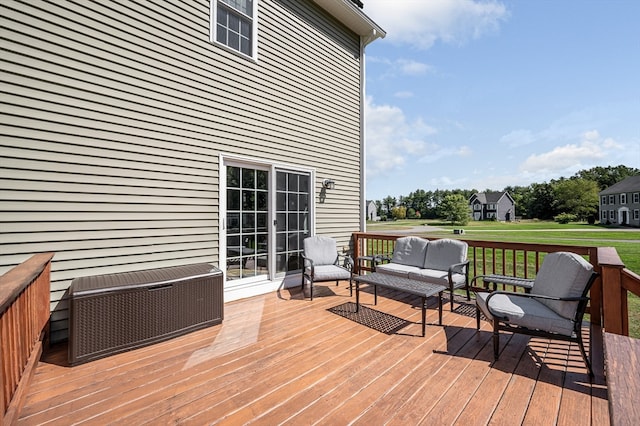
column 442, row 262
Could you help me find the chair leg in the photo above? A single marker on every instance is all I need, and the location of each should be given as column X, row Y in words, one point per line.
column 468, row 293
column 477, row 317
column 451, row 299
column 583, row 352
column 496, row 340
column 311, row 289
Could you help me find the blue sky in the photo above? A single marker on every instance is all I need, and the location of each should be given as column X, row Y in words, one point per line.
column 485, row 94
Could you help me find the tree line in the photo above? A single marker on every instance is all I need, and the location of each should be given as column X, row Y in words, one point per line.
column 575, row 197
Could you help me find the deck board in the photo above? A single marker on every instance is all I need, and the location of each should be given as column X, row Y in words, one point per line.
column 283, row 359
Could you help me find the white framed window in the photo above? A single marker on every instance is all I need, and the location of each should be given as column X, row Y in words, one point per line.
column 604, row 200
column 603, row 215
column 612, row 199
column 636, row 214
column 636, row 197
column 491, row 215
column 612, row 215
column 623, row 198
column 234, row 25
column 477, row 207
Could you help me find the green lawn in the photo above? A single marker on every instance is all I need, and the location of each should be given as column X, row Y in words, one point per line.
column 625, row 240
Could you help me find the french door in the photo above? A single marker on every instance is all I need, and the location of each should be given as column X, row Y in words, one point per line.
column 267, row 215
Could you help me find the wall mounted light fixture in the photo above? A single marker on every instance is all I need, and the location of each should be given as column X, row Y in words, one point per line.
column 329, row 184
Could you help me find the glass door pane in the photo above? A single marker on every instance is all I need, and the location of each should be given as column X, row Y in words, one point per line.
column 292, row 218
column 247, row 222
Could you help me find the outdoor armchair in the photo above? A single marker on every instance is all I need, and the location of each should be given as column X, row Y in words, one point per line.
column 321, row 262
column 553, row 309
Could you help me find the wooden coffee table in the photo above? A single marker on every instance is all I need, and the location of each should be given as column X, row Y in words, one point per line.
column 415, row 287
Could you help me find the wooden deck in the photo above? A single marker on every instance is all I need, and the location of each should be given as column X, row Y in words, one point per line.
column 282, row 359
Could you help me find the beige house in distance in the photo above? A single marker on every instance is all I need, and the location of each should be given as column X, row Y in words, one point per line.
column 138, row 135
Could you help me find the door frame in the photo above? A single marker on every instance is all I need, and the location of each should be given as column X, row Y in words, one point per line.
column 226, row 160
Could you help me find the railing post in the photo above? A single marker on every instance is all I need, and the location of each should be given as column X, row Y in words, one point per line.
column 614, row 298
column 595, row 294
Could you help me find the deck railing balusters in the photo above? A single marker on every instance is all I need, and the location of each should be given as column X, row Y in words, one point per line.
column 24, row 315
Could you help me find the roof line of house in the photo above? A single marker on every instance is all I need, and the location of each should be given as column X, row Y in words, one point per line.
column 347, row 12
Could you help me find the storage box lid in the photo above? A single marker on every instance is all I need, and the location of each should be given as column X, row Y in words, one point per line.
column 147, row 278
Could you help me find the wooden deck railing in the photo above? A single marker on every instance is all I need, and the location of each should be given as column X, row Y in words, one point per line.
column 617, row 280
column 24, row 315
column 608, row 305
column 621, row 353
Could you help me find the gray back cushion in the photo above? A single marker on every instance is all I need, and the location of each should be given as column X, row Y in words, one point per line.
column 444, row 253
column 410, row 251
column 562, row 274
column 322, row 250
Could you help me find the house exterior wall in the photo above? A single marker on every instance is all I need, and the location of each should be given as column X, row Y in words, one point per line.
column 491, row 210
column 114, row 116
column 372, row 211
column 505, row 205
column 621, row 208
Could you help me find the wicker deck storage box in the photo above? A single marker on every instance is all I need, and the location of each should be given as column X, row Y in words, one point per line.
column 114, row 313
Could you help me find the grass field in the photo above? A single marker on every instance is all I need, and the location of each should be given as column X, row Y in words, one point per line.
column 625, row 240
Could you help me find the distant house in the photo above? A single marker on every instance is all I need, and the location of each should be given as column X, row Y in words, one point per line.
column 141, row 135
column 372, row 211
column 620, row 203
column 492, row 206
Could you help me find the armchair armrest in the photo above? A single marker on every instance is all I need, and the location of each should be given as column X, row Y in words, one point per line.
column 307, row 262
column 347, row 263
column 383, row 257
column 536, row 296
column 526, row 283
column 462, row 268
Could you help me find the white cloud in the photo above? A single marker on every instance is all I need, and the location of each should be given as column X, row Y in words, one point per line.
column 391, row 138
column 411, row 67
column 591, row 149
column 423, row 23
column 403, row 94
column 438, row 153
column 445, row 182
column 401, row 67
column 518, row 138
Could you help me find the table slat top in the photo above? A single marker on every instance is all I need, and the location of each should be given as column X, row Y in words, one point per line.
column 419, row 288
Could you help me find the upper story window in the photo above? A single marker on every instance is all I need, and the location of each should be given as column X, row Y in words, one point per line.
column 612, row 199
column 492, row 207
column 233, row 24
column 477, row 207
column 604, row 200
column 636, row 197
column 623, row 198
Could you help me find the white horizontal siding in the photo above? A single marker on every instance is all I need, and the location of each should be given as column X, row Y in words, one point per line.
column 113, row 115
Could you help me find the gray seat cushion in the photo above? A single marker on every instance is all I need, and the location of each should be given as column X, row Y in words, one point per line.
column 410, row 251
column 330, row 273
column 562, row 274
column 397, row 269
column 436, row 276
column 524, row 312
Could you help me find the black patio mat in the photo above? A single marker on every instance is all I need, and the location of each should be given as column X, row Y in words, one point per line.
column 371, row 318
